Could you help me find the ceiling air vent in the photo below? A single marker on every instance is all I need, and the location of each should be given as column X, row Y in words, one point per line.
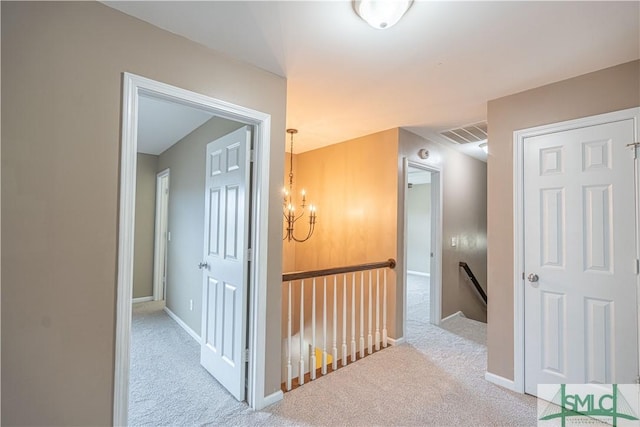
column 464, row 135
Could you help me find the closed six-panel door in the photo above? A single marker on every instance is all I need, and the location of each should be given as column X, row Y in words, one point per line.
column 580, row 257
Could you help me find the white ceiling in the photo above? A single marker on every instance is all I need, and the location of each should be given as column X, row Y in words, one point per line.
column 162, row 123
column 435, row 70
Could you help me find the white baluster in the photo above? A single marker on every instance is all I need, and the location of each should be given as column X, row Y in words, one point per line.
column 369, row 336
column 312, row 349
column 301, row 367
column 289, row 367
column 384, row 311
column 362, row 314
column 353, row 317
column 377, row 340
column 334, row 348
column 344, row 320
column 324, row 328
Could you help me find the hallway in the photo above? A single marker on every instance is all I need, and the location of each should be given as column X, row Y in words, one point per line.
column 436, row 378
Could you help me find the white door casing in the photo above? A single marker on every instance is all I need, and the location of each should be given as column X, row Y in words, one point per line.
column 225, row 267
column 132, row 87
column 580, row 316
column 435, row 279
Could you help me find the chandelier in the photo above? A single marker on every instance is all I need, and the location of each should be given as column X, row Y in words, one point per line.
column 289, row 208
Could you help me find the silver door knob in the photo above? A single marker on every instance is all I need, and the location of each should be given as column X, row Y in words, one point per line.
column 532, row 277
column 203, row 265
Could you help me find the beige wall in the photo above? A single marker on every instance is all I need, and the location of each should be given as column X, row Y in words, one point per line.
column 464, row 204
column 187, row 160
column 147, row 166
column 603, row 91
column 62, row 67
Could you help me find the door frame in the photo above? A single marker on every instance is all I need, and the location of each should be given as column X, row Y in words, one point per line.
column 435, row 284
column 132, row 87
column 160, row 242
column 519, row 138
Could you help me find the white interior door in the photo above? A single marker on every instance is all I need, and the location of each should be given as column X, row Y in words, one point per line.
column 580, row 257
column 225, row 265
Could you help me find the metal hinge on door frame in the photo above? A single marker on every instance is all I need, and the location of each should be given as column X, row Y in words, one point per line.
column 252, row 155
column 245, row 356
column 249, row 254
column 635, row 146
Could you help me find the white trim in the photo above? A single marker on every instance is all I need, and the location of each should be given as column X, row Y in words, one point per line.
column 418, row 273
column 451, row 316
column 125, row 250
column 273, row 398
column 132, row 87
column 519, row 137
column 396, row 341
column 141, row 299
column 183, row 325
column 258, row 293
column 501, row 381
column 160, row 241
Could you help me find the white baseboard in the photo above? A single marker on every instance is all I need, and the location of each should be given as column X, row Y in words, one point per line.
column 456, row 314
column 418, row 273
column 272, row 398
column 184, row 326
column 501, row 381
column 396, row 341
column 141, row 299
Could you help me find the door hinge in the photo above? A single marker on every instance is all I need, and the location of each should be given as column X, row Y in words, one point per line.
column 637, row 266
column 249, row 254
column 245, row 355
column 638, row 379
column 252, row 155
column 635, row 146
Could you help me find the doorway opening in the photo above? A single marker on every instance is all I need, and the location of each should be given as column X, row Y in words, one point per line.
column 422, row 244
column 135, row 87
column 418, row 261
column 161, row 236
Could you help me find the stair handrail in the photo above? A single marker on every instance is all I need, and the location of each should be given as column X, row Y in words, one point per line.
column 298, row 275
column 481, row 293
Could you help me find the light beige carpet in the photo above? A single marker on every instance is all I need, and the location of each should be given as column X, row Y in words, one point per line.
column 436, row 378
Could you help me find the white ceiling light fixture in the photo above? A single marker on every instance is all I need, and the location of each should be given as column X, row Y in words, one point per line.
column 484, row 146
column 381, row 14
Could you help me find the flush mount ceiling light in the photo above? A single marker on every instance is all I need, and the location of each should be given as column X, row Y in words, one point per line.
column 381, row 14
column 484, row 146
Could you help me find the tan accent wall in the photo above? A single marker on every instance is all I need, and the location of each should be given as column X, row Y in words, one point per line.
column 603, row 91
column 464, row 205
column 353, row 184
column 147, row 166
column 62, row 66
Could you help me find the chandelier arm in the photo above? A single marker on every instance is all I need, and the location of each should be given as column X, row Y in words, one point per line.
column 299, row 216
column 306, row 238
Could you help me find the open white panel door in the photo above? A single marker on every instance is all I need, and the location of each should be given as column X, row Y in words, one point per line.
column 581, row 322
column 225, row 265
